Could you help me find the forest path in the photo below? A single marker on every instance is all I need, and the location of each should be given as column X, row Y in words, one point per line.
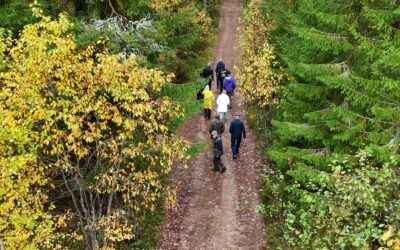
column 214, row 210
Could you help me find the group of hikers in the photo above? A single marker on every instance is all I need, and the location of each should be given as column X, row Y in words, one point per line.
column 226, row 85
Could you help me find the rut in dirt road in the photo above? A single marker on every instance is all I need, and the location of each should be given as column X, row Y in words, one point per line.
column 217, row 211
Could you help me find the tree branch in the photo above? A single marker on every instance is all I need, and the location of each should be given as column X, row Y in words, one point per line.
column 113, row 11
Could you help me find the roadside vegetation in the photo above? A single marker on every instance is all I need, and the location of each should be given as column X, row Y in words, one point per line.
column 322, row 80
column 88, row 114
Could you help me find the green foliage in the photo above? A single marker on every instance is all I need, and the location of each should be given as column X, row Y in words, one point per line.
column 347, row 208
column 340, row 78
column 102, row 198
column 179, row 32
column 196, row 149
column 14, row 14
column 84, row 143
column 340, row 109
column 147, row 236
column 185, row 96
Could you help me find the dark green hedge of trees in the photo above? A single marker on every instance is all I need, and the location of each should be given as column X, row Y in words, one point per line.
column 335, row 136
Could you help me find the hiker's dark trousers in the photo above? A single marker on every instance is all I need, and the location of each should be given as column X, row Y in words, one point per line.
column 207, row 114
column 235, row 145
column 218, row 164
column 219, row 84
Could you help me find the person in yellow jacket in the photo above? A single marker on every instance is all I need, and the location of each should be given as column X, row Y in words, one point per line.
column 208, row 102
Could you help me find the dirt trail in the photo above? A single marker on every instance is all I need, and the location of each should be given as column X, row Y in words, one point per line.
column 217, row 211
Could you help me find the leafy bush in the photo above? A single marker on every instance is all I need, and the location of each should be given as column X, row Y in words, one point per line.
column 347, row 208
column 84, row 143
column 185, row 96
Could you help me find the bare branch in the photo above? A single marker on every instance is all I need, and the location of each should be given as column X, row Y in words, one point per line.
column 113, row 11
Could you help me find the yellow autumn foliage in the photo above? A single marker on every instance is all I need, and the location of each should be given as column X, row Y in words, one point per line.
column 260, row 74
column 81, row 131
column 166, row 5
column 391, row 239
column 196, row 19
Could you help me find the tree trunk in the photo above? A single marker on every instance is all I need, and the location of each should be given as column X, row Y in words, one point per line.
column 2, row 247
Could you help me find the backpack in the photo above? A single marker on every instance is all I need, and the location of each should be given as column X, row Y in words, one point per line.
column 200, row 95
column 223, row 73
column 220, row 66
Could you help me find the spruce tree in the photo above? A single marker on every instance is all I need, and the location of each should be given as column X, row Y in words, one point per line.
column 344, row 94
column 342, row 97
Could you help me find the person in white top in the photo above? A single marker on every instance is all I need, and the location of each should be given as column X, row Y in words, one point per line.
column 223, row 103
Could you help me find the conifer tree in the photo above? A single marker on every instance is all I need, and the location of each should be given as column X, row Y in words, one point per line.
column 341, row 104
column 343, row 96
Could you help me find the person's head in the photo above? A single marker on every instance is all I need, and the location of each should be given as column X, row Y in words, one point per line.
column 214, row 134
column 237, row 115
column 216, row 117
column 224, row 91
column 206, row 87
column 228, row 73
column 209, row 64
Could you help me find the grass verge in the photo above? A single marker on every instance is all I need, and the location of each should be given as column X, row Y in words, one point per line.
column 273, row 184
column 185, row 96
column 195, row 149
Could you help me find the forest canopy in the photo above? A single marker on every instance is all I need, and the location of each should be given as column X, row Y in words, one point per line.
column 85, row 139
column 328, row 99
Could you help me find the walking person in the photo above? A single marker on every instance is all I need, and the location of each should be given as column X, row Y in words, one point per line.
column 217, row 125
column 220, row 66
column 237, row 130
column 218, row 151
column 220, row 79
column 223, row 103
column 207, row 102
column 208, row 73
column 229, row 85
column 220, row 72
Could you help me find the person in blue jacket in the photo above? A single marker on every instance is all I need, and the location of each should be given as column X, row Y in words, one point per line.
column 229, row 84
column 237, row 131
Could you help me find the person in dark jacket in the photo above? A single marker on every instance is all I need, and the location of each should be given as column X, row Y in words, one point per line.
column 220, row 79
column 220, row 72
column 217, row 125
column 218, row 152
column 220, row 66
column 237, row 131
column 222, row 75
column 208, row 73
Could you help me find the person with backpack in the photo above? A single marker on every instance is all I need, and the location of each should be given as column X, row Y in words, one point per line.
column 220, row 66
column 220, row 72
column 220, row 79
column 218, row 151
column 229, row 85
column 217, row 125
column 223, row 103
column 237, row 130
column 200, row 94
column 208, row 102
column 208, row 73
